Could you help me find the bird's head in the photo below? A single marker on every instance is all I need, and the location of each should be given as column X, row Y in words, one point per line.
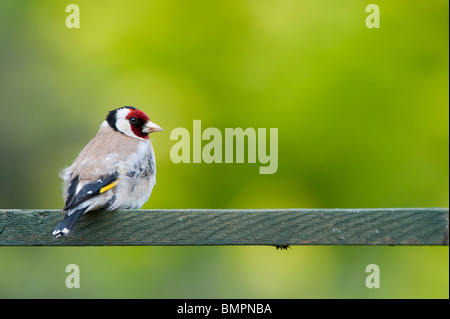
column 131, row 121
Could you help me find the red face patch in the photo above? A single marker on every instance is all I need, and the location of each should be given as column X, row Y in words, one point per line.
column 137, row 120
column 138, row 114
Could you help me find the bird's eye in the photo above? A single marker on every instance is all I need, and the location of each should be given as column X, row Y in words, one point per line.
column 133, row 120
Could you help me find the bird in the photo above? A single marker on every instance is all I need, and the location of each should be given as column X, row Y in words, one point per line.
column 115, row 170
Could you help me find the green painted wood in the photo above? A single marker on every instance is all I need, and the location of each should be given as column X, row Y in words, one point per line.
column 397, row 226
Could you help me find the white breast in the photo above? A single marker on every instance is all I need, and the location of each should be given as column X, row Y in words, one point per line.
column 137, row 178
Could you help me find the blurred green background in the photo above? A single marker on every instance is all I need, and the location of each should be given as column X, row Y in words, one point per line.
column 362, row 117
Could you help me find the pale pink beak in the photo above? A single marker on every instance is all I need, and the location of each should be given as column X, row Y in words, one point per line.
column 151, row 127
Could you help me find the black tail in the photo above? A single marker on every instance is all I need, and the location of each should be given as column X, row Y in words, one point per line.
column 65, row 227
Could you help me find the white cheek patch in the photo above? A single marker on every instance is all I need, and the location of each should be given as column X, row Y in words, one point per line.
column 123, row 125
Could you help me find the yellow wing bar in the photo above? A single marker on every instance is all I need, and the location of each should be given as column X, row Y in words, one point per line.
column 108, row 187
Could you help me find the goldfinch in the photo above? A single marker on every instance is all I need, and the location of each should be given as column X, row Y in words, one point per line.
column 115, row 170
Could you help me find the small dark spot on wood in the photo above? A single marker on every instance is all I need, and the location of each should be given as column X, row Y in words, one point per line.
column 42, row 215
column 283, row 247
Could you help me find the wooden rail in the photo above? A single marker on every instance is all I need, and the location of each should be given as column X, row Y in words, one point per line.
column 174, row 227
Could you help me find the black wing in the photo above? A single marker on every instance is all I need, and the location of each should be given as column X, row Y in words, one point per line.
column 71, row 192
column 89, row 190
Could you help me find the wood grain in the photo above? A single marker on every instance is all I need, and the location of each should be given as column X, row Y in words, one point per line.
column 391, row 226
